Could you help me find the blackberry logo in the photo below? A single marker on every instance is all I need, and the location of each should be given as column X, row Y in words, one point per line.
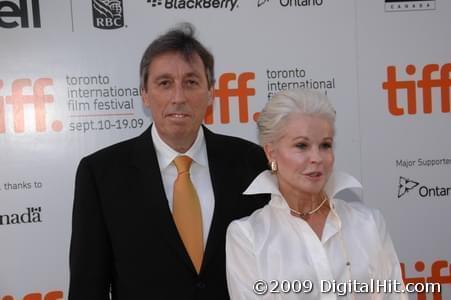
column 403, row 5
column 155, row 2
column 107, row 14
column 195, row 4
column 405, row 185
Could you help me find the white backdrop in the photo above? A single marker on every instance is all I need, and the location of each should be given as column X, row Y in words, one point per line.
column 68, row 88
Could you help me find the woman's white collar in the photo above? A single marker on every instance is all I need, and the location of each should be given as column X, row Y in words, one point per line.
column 266, row 183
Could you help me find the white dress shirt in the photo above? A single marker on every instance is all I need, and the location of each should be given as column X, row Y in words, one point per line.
column 272, row 244
column 199, row 173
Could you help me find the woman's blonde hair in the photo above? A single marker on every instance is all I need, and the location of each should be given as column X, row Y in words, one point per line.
column 285, row 103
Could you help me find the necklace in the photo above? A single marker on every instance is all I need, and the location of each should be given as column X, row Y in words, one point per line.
column 305, row 214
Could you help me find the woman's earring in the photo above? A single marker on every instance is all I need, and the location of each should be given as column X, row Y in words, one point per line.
column 273, row 166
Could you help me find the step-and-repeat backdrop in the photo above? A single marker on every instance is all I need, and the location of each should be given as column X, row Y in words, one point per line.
column 69, row 85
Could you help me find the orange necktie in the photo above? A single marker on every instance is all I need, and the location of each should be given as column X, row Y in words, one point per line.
column 186, row 211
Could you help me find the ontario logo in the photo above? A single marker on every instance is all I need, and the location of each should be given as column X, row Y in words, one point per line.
column 406, row 185
column 293, row 3
column 195, row 4
column 403, row 5
column 261, row 2
column 108, row 14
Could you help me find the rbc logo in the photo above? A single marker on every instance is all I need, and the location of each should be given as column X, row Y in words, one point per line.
column 432, row 77
column 10, row 10
column 108, row 14
column 18, row 99
column 224, row 91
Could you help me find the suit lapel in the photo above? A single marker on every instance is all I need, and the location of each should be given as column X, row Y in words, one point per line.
column 217, row 166
column 149, row 187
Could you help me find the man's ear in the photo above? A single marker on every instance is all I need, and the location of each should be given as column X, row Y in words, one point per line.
column 211, row 95
column 145, row 98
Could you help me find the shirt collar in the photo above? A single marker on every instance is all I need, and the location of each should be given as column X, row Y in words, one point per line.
column 266, row 183
column 197, row 152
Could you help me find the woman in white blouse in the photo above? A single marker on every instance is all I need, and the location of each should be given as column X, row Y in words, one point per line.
column 306, row 244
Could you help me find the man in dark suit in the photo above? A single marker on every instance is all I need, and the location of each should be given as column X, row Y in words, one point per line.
column 126, row 240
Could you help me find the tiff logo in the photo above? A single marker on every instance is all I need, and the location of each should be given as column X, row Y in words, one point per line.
column 432, row 77
column 10, row 12
column 224, row 92
column 18, row 99
column 435, row 276
column 53, row 295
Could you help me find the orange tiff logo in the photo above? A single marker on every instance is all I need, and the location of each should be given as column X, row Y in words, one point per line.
column 241, row 91
column 24, row 92
column 440, row 272
column 432, row 77
column 53, row 295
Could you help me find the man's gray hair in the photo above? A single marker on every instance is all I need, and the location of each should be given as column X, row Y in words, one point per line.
column 180, row 39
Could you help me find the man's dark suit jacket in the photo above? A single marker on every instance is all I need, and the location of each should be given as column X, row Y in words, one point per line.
column 124, row 240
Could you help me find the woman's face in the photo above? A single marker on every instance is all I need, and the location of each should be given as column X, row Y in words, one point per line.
column 304, row 155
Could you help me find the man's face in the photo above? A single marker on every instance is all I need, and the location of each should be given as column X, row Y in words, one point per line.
column 177, row 95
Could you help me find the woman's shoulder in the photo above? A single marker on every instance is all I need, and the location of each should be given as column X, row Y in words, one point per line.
column 359, row 212
column 356, row 207
column 251, row 226
column 258, row 217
